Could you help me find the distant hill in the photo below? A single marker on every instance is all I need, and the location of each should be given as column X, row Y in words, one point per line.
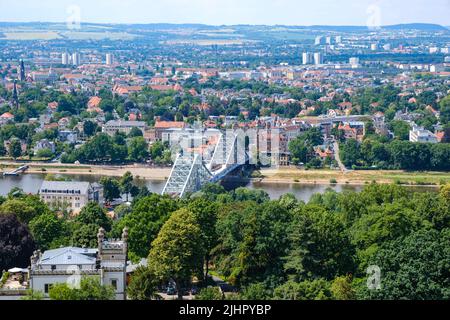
column 410, row 26
column 417, row 26
column 243, row 27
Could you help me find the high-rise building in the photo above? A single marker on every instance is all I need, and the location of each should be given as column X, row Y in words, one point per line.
column 308, row 58
column 65, row 58
column 76, row 59
column 338, row 39
column 328, row 40
column 22, row 76
column 354, row 62
column 318, row 58
column 109, row 59
column 318, row 41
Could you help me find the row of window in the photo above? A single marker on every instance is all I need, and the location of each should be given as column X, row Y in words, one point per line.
column 55, row 197
column 48, row 286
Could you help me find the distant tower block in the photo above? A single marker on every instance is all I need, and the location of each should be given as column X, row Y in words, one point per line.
column 65, row 58
column 318, row 58
column 109, row 59
column 76, row 59
column 308, row 58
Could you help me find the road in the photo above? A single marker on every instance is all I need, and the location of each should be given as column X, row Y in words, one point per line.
column 338, row 158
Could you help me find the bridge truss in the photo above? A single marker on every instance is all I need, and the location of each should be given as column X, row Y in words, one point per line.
column 190, row 172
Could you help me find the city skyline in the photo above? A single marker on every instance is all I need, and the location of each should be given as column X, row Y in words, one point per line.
column 232, row 12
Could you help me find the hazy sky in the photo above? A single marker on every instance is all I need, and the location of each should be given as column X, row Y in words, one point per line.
column 217, row 12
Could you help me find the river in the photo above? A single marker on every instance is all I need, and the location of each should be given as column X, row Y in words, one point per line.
column 31, row 183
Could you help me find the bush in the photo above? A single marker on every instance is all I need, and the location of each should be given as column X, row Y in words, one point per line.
column 210, row 293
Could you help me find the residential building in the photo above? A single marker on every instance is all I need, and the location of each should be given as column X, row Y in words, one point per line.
column 113, row 126
column 70, row 195
column 419, row 134
column 44, row 144
column 107, row 262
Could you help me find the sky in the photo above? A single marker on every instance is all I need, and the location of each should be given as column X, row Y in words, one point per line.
column 229, row 12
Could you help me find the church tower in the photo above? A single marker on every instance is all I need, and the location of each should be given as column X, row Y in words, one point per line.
column 22, row 76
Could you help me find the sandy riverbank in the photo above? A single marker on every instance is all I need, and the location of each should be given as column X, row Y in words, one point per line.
column 143, row 172
column 288, row 175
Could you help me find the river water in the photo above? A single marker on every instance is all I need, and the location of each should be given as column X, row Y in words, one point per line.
column 31, row 183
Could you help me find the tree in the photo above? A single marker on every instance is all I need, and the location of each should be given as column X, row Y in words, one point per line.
column 177, row 251
column 111, row 188
column 45, row 153
column 156, row 150
column 90, row 289
column 209, row 294
column 445, row 109
column 341, row 288
column 135, row 132
column 252, row 242
column 401, row 129
column 206, row 215
column 350, row 152
column 92, row 213
column 16, row 243
column 299, row 151
column 32, row 295
column 306, row 290
column 414, row 267
column 256, row 291
column 320, row 245
column 138, row 149
column 143, row 285
column 21, row 209
column 89, row 128
column 146, row 219
column 84, row 235
column 126, row 183
column 46, row 228
column 15, row 148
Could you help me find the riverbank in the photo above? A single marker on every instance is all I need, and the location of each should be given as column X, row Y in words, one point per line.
column 294, row 175
column 287, row 175
column 138, row 171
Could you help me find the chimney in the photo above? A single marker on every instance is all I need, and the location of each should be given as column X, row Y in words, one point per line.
column 100, row 239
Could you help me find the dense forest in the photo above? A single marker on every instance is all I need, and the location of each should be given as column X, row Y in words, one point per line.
column 266, row 249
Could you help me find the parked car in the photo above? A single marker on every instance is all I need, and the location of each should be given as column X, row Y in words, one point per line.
column 171, row 291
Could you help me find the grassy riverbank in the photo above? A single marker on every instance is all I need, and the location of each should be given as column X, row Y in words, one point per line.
column 293, row 175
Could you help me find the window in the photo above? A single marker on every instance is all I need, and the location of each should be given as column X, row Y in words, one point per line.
column 53, row 267
column 114, row 283
column 47, row 287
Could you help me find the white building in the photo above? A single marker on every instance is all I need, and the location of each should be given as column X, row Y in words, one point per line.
column 76, row 59
column 113, row 126
column 109, row 59
column 354, row 62
column 307, row 58
column 44, row 144
column 69, row 265
column 70, row 195
column 318, row 58
column 65, row 59
column 419, row 134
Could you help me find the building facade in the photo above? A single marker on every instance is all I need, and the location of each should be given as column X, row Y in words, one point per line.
column 69, row 265
column 69, row 195
column 113, row 126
